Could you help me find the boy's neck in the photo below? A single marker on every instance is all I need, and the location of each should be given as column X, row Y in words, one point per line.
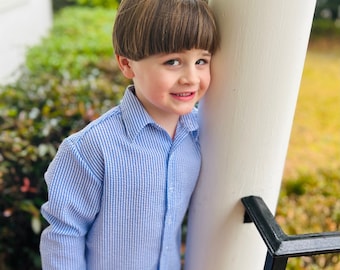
column 169, row 124
column 167, row 121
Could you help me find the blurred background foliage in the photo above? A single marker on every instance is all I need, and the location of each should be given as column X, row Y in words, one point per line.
column 71, row 78
column 327, row 9
column 111, row 4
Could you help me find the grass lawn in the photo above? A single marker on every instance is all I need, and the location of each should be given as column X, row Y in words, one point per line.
column 310, row 195
column 315, row 138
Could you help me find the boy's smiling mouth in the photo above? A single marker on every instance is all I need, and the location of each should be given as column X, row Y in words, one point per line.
column 185, row 94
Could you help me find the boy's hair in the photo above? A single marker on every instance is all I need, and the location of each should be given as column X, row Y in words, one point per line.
column 147, row 27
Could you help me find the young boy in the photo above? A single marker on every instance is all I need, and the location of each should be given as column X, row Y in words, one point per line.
column 119, row 188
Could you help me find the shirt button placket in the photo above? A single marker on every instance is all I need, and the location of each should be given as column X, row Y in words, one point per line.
column 169, row 217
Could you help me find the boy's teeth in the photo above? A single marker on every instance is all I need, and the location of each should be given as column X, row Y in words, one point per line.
column 183, row 94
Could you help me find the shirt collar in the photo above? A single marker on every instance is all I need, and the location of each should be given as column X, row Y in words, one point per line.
column 190, row 123
column 135, row 117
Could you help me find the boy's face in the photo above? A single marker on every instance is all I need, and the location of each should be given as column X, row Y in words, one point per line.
column 169, row 85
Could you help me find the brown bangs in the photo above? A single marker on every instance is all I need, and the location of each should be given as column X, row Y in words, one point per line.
column 188, row 26
column 165, row 26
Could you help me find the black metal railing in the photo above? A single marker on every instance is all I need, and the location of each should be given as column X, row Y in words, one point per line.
column 281, row 246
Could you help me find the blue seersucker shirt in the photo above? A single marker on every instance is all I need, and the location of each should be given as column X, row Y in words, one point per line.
column 118, row 192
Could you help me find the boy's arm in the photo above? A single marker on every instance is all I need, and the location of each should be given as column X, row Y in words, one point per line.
column 74, row 195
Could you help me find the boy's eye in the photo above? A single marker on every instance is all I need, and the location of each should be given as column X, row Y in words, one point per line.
column 201, row 62
column 172, row 62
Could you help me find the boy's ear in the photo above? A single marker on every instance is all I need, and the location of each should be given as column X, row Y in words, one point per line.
column 124, row 65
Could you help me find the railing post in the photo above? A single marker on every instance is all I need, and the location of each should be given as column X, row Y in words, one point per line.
column 245, row 120
column 273, row 263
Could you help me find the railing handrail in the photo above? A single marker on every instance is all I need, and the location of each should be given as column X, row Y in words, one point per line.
column 281, row 245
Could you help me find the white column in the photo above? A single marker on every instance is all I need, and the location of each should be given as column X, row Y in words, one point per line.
column 246, row 120
column 22, row 24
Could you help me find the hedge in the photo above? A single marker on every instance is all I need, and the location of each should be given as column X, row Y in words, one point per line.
column 59, row 4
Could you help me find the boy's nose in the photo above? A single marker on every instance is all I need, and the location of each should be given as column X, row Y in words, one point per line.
column 190, row 76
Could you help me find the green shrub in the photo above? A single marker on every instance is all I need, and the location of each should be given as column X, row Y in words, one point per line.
column 59, row 4
column 99, row 3
column 325, row 28
column 79, row 38
column 52, row 99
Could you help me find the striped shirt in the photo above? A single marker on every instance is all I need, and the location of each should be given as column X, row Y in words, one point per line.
column 118, row 192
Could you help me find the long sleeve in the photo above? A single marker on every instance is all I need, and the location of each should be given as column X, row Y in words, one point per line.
column 74, row 198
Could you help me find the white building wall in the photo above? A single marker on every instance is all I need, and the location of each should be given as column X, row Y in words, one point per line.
column 22, row 24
